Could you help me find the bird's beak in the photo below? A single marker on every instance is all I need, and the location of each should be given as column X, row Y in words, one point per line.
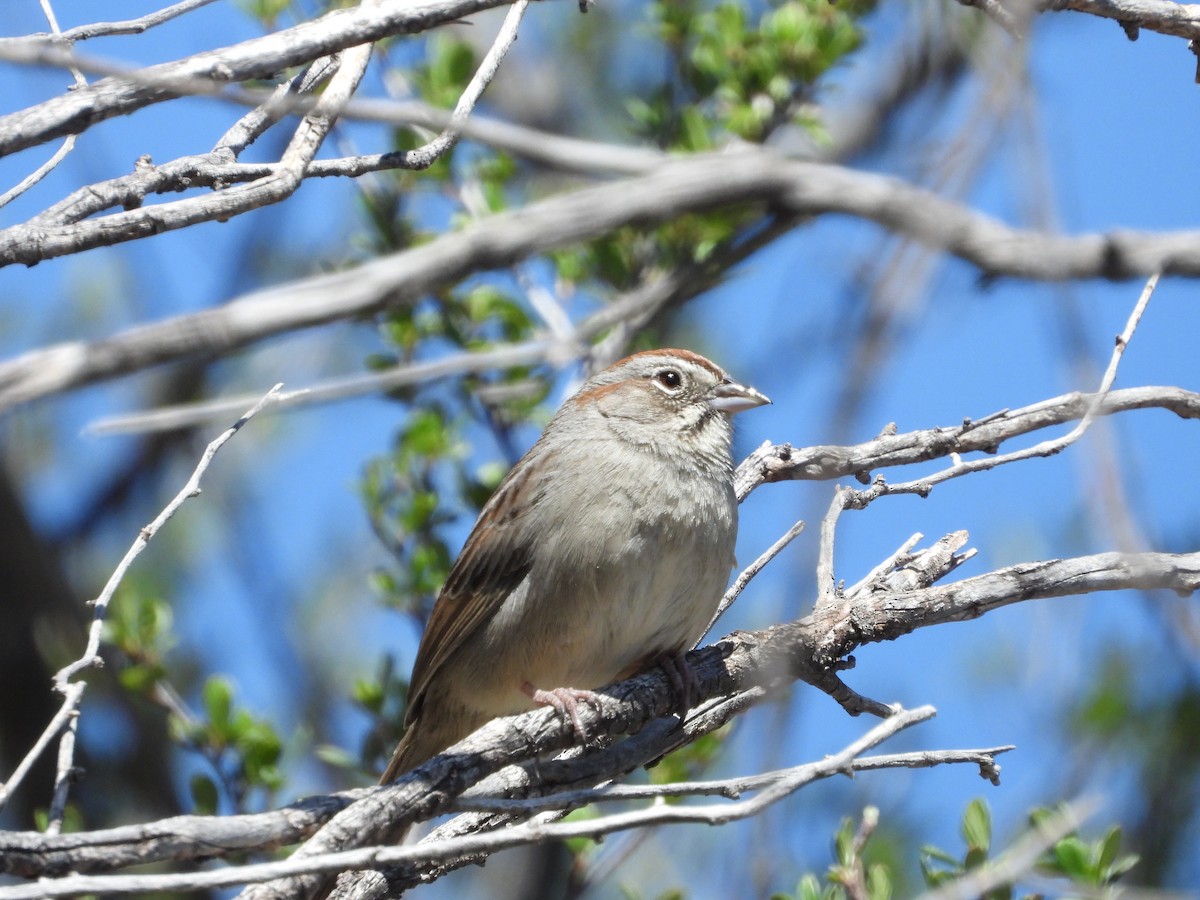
column 731, row 397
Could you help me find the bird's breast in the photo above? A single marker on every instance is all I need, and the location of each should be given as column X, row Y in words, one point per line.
column 626, row 574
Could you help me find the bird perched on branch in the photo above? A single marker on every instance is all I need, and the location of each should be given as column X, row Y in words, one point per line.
column 603, row 552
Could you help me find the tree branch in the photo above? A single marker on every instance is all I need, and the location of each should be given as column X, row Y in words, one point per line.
column 482, row 844
column 767, row 659
column 261, row 57
column 129, row 26
column 680, row 186
column 1166, row 17
column 783, row 462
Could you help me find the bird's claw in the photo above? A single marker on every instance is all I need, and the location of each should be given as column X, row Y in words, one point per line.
column 566, row 703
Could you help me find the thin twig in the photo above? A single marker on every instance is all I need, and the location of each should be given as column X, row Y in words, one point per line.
column 466, row 363
column 247, row 129
column 40, row 172
column 1056, row 445
column 845, row 498
column 72, row 691
column 906, row 571
column 730, row 788
column 68, row 143
column 127, row 26
column 878, row 572
column 48, row 11
column 748, row 573
column 996, row 11
column 427, row 155
column 621, row 316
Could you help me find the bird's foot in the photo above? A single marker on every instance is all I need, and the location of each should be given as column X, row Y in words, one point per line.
column 683, row 680
column 566, row 703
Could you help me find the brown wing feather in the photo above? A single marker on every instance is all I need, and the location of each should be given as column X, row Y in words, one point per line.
column 493, row 562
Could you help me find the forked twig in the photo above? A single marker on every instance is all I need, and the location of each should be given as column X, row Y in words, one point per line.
column 65, row 720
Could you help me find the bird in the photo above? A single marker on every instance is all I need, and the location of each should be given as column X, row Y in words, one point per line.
column 604, row 552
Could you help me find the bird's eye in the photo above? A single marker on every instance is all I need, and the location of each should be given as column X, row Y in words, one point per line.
column 669, row 378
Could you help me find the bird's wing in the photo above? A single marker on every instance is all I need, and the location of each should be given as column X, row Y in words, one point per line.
column 496, row 558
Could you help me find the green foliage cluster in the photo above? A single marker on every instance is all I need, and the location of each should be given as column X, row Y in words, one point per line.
column 1092, row 867
column 736, row 74
column 242, row 751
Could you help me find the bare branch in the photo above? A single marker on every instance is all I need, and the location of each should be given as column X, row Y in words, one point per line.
column 481, row 844
column 127, row 26
column 731, row 788
column 998, row 13
column 828, row 592
column 423, row 157
column 238, row 137
column 730, row 668
column 1177, row 19
column 782, row 462
column 256, row 58
column 748, row 573
column 680, row 186
column 805, row 649
column 621, row 317
column 692, row 184
column 863, row 621
column 67, row 145
column 72, row 691
column 906, row 571
column 190, row 172
column 1049, row 447
column 39, row 173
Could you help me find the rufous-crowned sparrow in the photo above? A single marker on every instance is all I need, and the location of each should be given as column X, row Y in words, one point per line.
column 604, row 551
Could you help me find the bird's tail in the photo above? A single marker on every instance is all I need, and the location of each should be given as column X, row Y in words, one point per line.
column 421, row 741
column 403, row 759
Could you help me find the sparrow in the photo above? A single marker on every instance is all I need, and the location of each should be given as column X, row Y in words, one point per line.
column 604, row 551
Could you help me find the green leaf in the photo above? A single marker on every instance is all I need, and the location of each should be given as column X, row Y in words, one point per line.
column 695, row 135
column 140, row 678
column 447, row 70
column 879, row 883
column 1109, row 848
column 338, row 757
column 935, row 853
column 977, row 825
column 974, row 858
column 1072, row 858
column 218, row 701
column 204, row 795
column 843, row 842
column 1121, row 866
column 809, row 888
column 368, row 694
column 425, row 434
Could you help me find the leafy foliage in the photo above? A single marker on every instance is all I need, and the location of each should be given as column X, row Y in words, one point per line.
column 244, row 751
column 1092, row 867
